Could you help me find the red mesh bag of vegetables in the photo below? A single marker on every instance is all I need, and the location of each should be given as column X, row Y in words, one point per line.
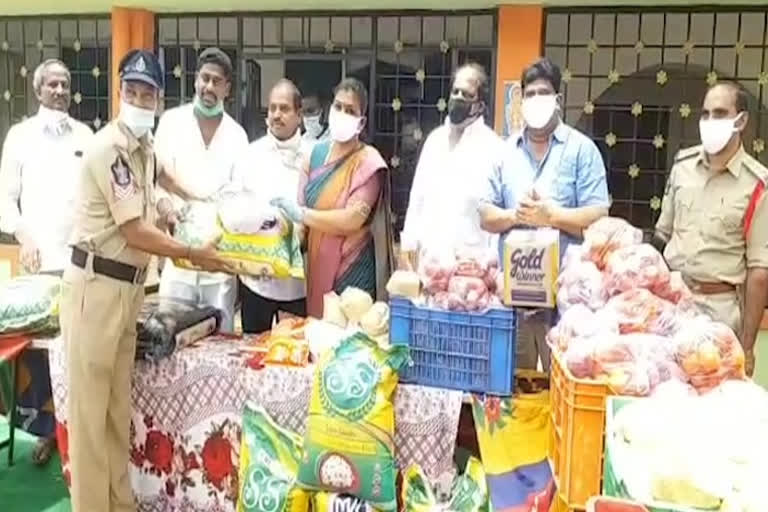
column 709, row 353
column 636, row 266
column 637, row 310
column 606, row 235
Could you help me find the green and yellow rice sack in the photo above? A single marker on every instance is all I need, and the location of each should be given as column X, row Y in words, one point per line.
column 349, row 444
column 30, row 304
column 269, row 461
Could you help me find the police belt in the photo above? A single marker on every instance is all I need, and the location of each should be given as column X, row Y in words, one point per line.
column 109, row 268
column 712, row 288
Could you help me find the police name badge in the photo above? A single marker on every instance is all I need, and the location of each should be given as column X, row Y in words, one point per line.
column 122, row 179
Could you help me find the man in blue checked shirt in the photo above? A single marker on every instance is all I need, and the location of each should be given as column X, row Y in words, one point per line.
column 553, row 176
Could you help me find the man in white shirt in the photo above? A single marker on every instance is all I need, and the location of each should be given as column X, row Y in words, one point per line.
column 198, row 144
column 453, row 169
column 313, row 116
column 271, row 168
column 39, row 172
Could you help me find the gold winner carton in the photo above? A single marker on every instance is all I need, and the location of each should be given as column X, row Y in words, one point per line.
column 531, row 266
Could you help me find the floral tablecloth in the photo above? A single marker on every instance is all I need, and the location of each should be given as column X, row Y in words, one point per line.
column 186, row 422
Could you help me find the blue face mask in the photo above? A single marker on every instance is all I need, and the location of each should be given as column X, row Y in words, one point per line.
column 208, row 112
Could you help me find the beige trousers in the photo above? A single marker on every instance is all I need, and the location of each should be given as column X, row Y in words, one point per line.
column 98, row 324
column 722, row 307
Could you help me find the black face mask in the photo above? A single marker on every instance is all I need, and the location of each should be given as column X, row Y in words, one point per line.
column 459, row 110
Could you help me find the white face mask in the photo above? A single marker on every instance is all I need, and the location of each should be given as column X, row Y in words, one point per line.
column 313, row 126
column 538, row 110
column 139, row 120
column 715, row 133
column 343, row 126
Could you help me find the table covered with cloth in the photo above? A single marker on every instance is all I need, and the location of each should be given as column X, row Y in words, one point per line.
column 187, row 420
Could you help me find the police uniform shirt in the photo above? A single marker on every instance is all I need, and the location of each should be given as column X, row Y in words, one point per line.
column 117, row 186
column 703, row 214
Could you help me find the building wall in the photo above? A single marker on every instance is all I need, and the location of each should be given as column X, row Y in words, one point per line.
column 636, row 79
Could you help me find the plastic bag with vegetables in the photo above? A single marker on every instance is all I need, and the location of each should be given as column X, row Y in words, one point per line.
column 639, row 310
column 269, row 462
column 606, row 235
column 436, row 269
column 709, row 353
column 469, row 493
column 636, row 266
column 580, row 283
column 581, row 322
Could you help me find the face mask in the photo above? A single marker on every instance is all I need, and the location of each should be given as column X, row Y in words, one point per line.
column 313, row 126
column 459, row 110
column 538, row 110
column 208, row 112
column 343, row 126
column 138, row 120
column 715, row 133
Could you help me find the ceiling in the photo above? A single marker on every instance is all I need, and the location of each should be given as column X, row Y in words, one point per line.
column 29, row 7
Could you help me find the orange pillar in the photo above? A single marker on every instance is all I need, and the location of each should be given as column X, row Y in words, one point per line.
column 131, row 28
column 521, row 31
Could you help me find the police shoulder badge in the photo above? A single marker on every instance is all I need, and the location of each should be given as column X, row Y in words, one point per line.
column 122, row 178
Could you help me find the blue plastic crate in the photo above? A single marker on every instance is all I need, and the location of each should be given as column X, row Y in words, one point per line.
column 464, row 351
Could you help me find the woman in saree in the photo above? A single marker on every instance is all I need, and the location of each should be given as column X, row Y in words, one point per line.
column 343, row 204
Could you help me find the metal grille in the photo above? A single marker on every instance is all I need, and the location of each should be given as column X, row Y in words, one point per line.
column 82, row 42
column 635, row 80
column 405, row 61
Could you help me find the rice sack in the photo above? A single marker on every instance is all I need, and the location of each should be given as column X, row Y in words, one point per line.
column 349, row 444
column 256, row 243
column 269, row 460
column 30, row 304
column 330, row 502
column 469, row 492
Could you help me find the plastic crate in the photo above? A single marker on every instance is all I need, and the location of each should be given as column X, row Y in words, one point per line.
column 464, row 351
column 606, row 504
column 578, row 436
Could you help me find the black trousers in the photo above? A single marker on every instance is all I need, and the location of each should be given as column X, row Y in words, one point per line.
column 258, row 313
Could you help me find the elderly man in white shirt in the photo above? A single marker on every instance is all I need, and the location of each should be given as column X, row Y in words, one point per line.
column 39, row 172
column 199, row 144
column 271, row 168
column 454, row 167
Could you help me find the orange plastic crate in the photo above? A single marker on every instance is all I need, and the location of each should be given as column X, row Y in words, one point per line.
column 577, row 439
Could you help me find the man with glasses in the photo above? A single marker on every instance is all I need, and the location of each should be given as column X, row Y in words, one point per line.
column 553, row 176
column 450, row 177
column 713, row 225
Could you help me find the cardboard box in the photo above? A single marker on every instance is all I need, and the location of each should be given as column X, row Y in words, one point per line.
column 9, row 261
column 531, row 266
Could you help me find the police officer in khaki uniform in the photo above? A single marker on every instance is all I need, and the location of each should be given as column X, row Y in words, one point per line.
column 714, row 218
column 113, row 237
